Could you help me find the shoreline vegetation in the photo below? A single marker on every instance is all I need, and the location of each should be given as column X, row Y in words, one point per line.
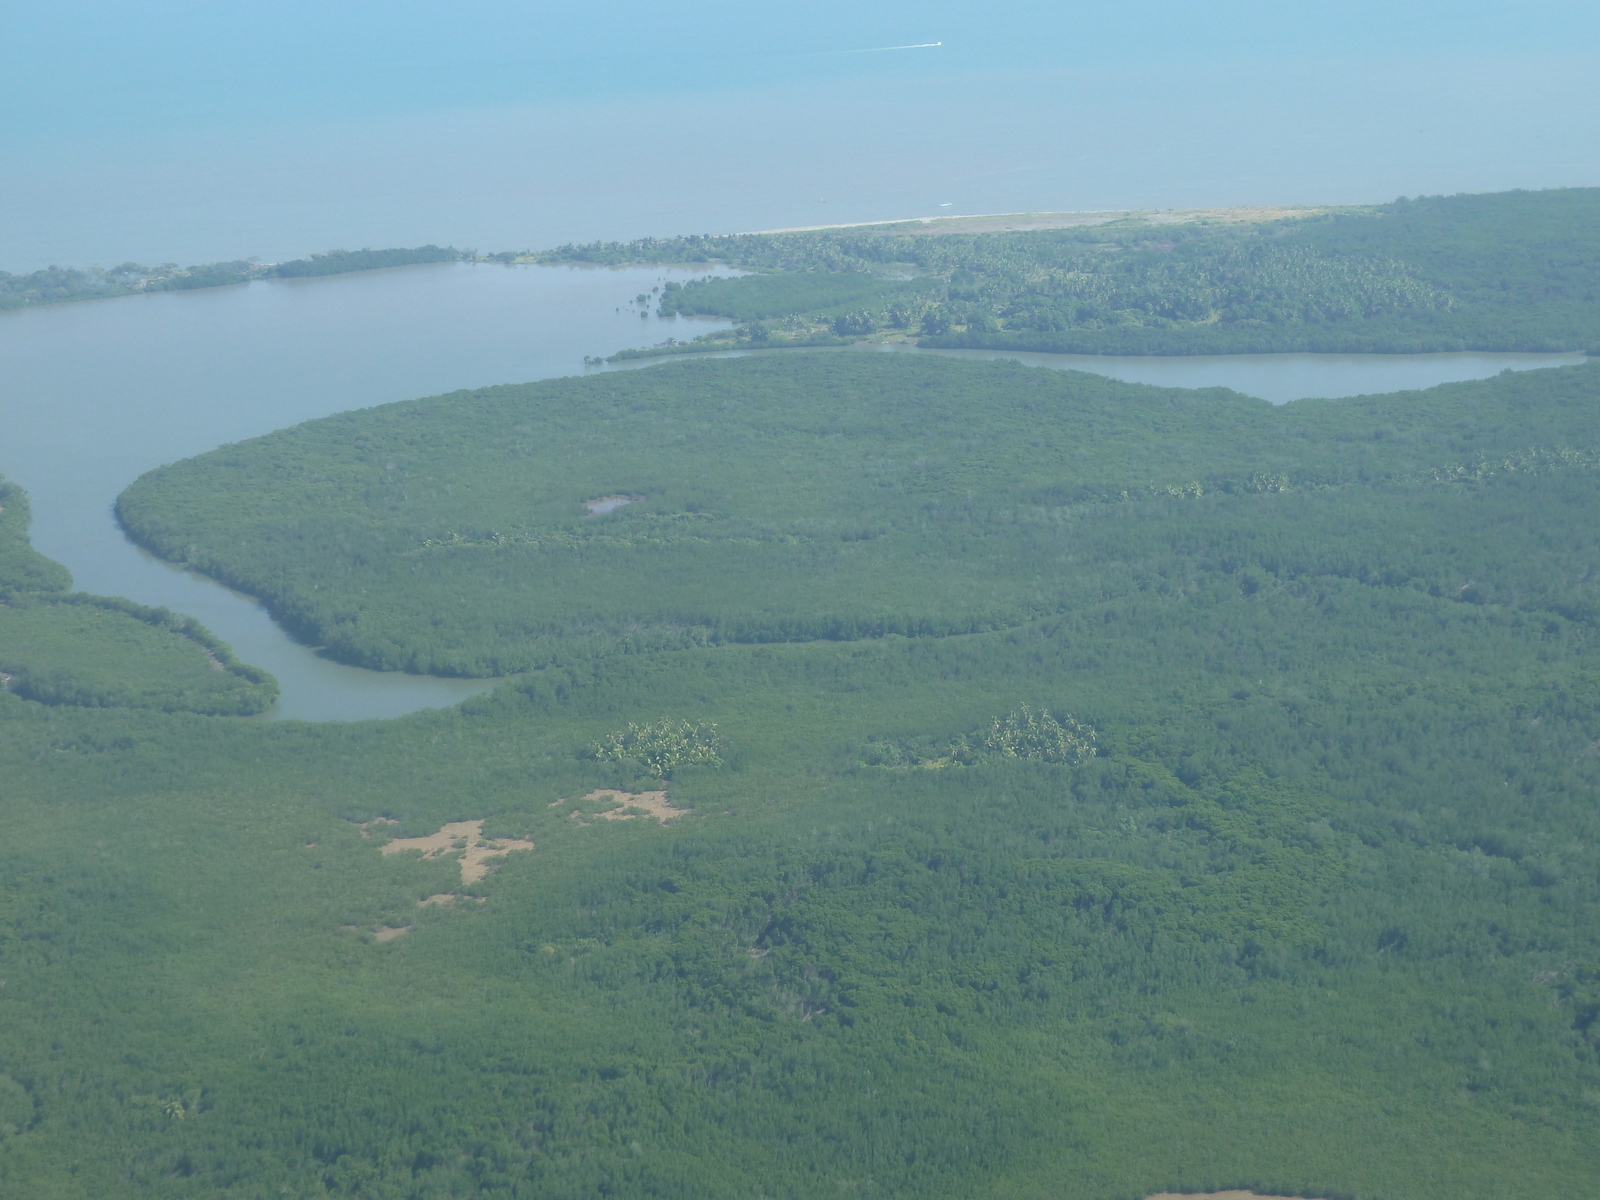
column 1514, row 271
column 1510, row 271
column 61, row 647
column 59, row 285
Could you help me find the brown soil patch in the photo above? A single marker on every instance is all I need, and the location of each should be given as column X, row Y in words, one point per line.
column 465, row 837
column 1216, row 1196
column 387, row 933
column 644, row 804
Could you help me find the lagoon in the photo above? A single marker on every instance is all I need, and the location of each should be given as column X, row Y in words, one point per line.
column 96, row 393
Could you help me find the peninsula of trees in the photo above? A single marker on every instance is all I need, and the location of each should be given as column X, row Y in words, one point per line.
column 1511, row 271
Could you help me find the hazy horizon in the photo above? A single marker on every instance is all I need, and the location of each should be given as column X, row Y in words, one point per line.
column 177, row 132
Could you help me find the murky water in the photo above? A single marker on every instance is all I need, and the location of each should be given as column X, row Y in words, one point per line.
column 92, row 395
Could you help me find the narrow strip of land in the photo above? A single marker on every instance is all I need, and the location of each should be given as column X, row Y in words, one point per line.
column 1013, row 222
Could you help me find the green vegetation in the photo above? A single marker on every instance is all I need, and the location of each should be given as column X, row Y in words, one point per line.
column 342, row 262
column 1317, row 916
column 1040, row 737
column 662, row 748
column 761, row 297
column 1513, row 271
column 62, row 647
column 1083, row 790
column 53, row 285
column 832, row 496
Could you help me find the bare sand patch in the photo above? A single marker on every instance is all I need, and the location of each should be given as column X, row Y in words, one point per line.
column 1216, row 1196
column 629, row 806
column 1012, row 222
column 601, row 505
column 464, row 837
column 387, row 933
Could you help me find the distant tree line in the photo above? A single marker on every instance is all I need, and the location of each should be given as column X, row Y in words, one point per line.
column 54, row 285
column 1511, row 271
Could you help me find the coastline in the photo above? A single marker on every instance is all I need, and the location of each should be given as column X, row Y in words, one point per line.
column 1014, row 222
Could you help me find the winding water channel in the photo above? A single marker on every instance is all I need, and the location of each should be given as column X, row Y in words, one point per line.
column 94, row 394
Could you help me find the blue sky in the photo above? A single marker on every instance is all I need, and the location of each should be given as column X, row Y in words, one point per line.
column 187, row 130
column 74, row 66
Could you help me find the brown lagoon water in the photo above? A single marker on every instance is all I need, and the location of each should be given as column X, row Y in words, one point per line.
column 94, row 394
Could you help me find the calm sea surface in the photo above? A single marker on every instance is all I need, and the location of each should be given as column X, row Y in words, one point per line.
column 94, row 394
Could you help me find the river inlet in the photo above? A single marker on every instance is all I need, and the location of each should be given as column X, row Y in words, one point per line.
column 98, row 392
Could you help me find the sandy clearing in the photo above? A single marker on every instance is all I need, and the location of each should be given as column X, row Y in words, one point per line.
column 1216, row 1196
column 601, row 505
column 654, row 805
column 1008, row 222
column 466, row 837
column 387, row 933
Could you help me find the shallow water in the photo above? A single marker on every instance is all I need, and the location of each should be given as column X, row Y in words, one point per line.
column 94, row 394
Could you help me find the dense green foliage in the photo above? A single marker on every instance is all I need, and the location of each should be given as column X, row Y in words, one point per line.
column 661, row 748
column 54, row 285
column 63, row 647
column 205, row 276
column 23, row 570
column 1304, row 895
column 760, row 297
column 341, row 262
column 1512, row 271
column 828, row 496
column 1314, row 918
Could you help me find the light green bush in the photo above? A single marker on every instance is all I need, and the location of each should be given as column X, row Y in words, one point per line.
column 662, row 747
